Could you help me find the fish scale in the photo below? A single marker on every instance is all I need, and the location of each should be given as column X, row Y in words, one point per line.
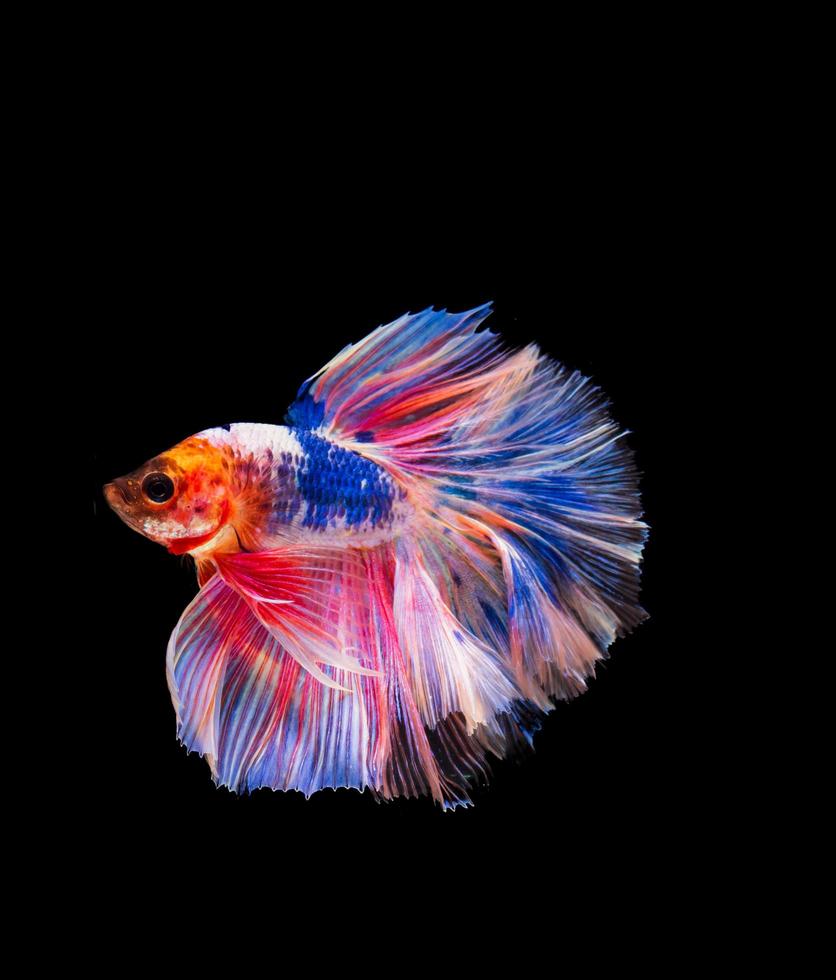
column 339, row 488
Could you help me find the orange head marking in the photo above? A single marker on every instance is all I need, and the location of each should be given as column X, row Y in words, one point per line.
column 180, row 499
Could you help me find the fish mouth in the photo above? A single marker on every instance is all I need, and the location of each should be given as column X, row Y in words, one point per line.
column 115, row 496
column 122, row 505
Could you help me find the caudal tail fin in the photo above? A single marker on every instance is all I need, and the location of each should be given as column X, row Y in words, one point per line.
column 532, row 530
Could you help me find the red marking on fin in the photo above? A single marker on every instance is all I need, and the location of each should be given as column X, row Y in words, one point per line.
column 288, row 592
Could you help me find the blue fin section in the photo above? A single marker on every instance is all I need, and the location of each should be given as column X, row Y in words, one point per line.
column 305, row 412
column 366, row 366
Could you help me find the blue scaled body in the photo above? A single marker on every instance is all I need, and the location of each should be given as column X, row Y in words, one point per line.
column 325, row 486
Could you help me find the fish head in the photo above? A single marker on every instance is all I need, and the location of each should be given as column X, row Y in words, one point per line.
column 180, row 499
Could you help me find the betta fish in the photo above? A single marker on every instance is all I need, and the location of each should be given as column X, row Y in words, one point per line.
column 399, row 583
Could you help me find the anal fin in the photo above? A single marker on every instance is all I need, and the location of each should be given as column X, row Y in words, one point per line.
column 299, row 596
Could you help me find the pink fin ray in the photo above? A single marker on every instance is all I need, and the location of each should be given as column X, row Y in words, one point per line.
column 451, row 669
column 228, row 679
column 263, row 720
column 292, row 592
column 404, row 379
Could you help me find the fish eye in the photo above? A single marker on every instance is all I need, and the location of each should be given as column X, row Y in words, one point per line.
column 158, row 487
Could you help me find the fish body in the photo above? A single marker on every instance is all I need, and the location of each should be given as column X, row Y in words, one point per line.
column 274, row 484
column 300, row 486
column 398, row 583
